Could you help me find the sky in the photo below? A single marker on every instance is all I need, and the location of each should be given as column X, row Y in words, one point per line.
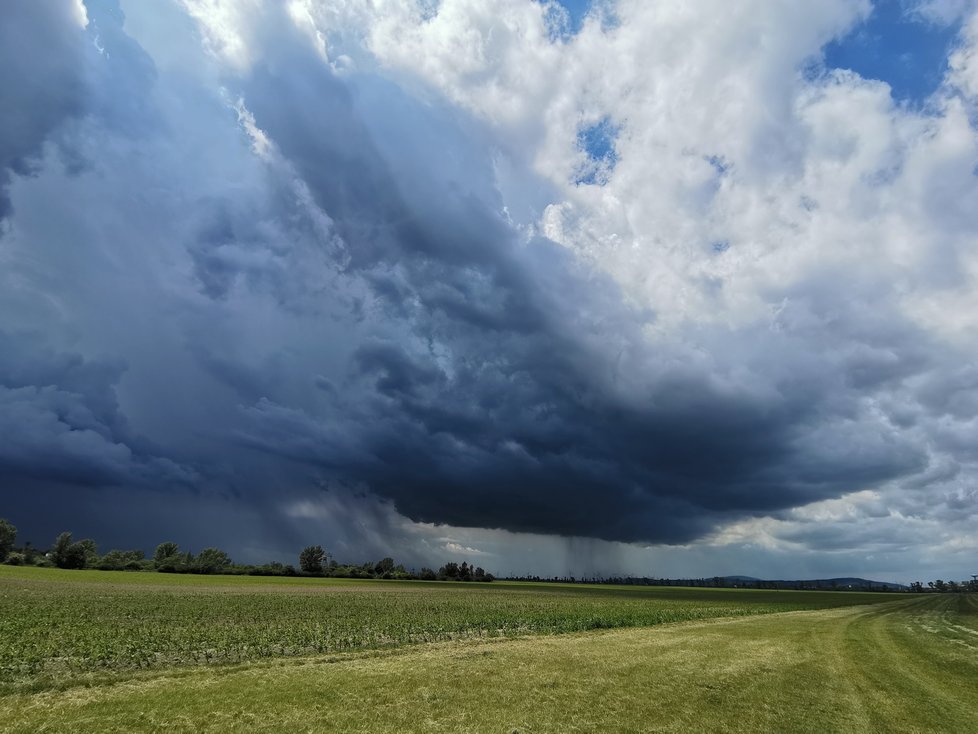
column 621, row 287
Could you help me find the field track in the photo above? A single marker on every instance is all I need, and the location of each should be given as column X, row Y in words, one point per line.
column 909, row 665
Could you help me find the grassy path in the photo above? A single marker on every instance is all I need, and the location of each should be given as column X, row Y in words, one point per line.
column 905, row 666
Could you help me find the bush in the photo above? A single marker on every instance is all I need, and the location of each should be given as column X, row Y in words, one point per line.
column 118, row 560
column 272, row 569
column 8, row 534
column 16, row 559
column 171, row 564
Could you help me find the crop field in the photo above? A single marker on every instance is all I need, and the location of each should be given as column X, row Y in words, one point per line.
column 110, row 651
column 58, row 625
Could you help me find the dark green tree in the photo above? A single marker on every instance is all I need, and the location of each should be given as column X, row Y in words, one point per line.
column 90, row 550
column 59, row 551
column 311, row 559
column 66, row 554
column 8, row 535
column 449, row 571
column 384, row 567
column 164, row 551
column 211, row 560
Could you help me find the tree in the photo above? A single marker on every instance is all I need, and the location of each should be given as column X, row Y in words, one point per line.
column 164, row 551
column 449, row 571
column 311, row 559
column 168, row 558
column 211, row 560
column 89, row 550
column 384, row 567
column 66, row 554
column 8, row 534
column 59, row 551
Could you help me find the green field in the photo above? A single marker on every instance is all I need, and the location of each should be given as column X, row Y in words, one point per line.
column 100, row 651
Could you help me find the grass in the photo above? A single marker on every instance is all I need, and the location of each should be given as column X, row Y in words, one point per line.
column 727, row 662
column 58, row 627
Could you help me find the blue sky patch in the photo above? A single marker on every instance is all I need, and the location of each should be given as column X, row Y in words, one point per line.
column 598, row 142
column 576, row 9
column 897, row 47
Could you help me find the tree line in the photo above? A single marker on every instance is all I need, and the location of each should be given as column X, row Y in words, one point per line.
column 939, row 586
column 713, row 582
column 66, row 552
column 735, row 582
column 315, row 561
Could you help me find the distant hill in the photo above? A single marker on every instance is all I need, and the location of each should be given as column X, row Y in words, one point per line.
column 848, row 582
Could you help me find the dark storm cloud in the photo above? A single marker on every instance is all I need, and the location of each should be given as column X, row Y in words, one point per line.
column 415, row 346
column 60, row 420
column 519, row 392
column 520, row 437
column 41, row 85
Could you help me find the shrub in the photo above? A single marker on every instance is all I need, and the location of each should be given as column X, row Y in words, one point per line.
column 8, row 534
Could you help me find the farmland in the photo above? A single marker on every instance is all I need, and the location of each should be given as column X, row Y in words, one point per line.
column 57, row 626
column 102, row 650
